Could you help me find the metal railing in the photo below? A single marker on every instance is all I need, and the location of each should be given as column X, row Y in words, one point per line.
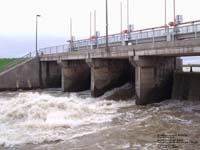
column 191, row 67
column 134, row 37
column 17, row 61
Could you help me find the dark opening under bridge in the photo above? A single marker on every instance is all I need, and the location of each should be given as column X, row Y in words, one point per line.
column 147, row 58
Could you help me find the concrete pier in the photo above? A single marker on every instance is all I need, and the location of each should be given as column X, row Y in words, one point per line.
column 107, row 74
column 75, row 76
column 50, row 74
column 153, row 78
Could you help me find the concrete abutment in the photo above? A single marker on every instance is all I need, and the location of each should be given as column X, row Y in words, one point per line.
column 22, row 76
column 186, row 86
column 50, row 74
column 75, row 76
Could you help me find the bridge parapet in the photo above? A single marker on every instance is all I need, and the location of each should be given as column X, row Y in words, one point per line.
column 190, row 47
column 182, row 31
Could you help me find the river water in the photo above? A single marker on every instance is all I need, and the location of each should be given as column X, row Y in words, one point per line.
column 52, row 120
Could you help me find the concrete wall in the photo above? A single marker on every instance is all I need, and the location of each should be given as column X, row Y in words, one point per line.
column 22, row 76
column 186, row 86
column 51, row 74
column 153, row 78
column 179, row 64
column 75, row 76
column 107, row 74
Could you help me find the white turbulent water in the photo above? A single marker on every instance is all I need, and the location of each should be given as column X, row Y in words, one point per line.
column 83, row 122
column 37, row 117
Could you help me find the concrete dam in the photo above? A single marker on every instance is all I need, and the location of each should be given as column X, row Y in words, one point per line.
column 150, row 61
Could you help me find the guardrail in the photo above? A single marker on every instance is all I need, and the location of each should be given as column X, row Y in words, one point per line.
column 192, row 66
column 17, row 61
column 135, row 37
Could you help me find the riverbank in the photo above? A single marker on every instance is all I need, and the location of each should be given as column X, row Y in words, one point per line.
column 4, row 62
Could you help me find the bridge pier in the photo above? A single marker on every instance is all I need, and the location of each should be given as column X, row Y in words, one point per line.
column 107, row 74
column 153, row 78
column 75, row 76
column 50, row 74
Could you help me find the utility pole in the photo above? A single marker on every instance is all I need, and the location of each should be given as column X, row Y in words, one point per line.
column 121, row 27
column 107, row 25
column 174, row 13
column 95, row 22
column 71, row 38
column 90, row 25
column 36, row 37
column 165, row 13
column 128, row 15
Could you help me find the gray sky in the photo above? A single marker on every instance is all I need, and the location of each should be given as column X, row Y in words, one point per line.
column 17, row 20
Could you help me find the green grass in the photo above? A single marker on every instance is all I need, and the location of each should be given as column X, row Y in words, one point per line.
column 4, row 62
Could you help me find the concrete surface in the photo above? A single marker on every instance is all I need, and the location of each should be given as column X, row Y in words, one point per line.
column 186, row 86
column 190, row 47
column 51, row 74
column 75, row 76
column 22, row 76
column 153, row 78
column 107, row 74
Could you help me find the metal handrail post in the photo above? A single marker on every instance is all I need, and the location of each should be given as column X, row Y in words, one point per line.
column 195, row 30
column 153, row 36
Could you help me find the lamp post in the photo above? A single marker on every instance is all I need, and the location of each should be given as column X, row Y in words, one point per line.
column 107, row 25
column 36, row 40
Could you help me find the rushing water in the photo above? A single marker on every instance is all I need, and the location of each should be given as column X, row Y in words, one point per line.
column 53, row 120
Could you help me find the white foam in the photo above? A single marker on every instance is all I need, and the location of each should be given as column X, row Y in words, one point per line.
column 33, row 117
column 109, row 93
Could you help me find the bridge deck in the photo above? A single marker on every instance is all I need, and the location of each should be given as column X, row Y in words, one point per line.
column 190, row 47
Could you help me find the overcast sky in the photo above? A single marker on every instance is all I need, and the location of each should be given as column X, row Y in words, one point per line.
column 17, row 20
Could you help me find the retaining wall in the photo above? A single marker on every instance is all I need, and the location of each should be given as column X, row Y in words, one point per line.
column 186, row 86
column 22, row 76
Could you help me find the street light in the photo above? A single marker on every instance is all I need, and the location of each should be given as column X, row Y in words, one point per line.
column 36, row 42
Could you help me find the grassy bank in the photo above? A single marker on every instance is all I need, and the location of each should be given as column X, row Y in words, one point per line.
column 4, row 62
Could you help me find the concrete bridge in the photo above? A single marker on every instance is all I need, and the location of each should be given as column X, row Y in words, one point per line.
column 147, row 58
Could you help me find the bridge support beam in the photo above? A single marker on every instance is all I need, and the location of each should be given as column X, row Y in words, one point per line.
column 75, row 76
column 50, row 74
column 107, row 74
column 153, row 78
